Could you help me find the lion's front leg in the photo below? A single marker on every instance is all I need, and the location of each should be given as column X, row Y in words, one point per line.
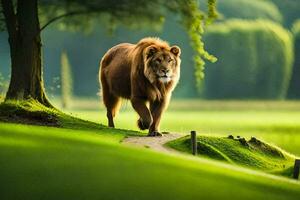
column 140, row 107
column 157, row 108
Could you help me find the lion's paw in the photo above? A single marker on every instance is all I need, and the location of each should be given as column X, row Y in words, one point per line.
column 155, row 134
column 142, row 125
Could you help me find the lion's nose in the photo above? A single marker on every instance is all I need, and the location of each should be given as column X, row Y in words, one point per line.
column 165, row 70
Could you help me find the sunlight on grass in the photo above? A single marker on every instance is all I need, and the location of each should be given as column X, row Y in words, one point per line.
column 18, row 143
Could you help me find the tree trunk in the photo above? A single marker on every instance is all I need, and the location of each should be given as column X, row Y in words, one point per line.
column 25, row 49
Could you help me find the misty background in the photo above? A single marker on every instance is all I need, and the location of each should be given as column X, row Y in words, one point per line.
column 256, row 43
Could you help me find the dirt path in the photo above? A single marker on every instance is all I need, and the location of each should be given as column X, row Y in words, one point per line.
column 155, row 143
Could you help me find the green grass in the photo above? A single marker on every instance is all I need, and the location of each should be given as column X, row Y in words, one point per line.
column 59, row 163
column 79, row 159
column 253, row 153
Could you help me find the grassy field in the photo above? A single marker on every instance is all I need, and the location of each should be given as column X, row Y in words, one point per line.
column 84, row 160
column 276, row 122
column 58, row 163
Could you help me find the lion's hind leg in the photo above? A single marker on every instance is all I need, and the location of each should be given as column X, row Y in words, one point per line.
column 112, row 104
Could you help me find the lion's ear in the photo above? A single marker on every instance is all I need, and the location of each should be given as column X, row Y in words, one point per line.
column 175, row 50
column 151, row 51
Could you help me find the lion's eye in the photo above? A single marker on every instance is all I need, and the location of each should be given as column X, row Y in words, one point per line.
column 158, row 60
column 170, row 60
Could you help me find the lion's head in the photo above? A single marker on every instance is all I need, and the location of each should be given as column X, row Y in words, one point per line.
column 162, row 63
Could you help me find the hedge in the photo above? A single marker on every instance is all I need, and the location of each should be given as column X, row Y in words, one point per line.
column 254, row 60
column 294, row 89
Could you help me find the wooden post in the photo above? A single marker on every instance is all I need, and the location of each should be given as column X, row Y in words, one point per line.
column 296, row 169
column 194, row 142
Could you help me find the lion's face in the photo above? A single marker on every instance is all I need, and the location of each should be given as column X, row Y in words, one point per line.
column 162, row 65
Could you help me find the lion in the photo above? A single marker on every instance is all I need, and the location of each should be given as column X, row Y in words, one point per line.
column 146, row 73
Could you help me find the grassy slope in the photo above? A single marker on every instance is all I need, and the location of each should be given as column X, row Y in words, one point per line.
column 32, row 112
column 58, row 163
column 252, row 153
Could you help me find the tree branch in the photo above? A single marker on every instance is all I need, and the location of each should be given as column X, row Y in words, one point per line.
column 79, row 12
column 9, row 17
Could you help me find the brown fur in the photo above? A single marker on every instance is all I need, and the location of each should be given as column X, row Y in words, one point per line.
column 146, row 73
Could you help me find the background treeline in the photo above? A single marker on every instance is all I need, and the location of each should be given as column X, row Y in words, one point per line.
column 256, row 42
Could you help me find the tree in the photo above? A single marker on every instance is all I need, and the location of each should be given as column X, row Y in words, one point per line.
column 25, row 48
column 3, row 86
column 66, row 80
column 22, row 22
